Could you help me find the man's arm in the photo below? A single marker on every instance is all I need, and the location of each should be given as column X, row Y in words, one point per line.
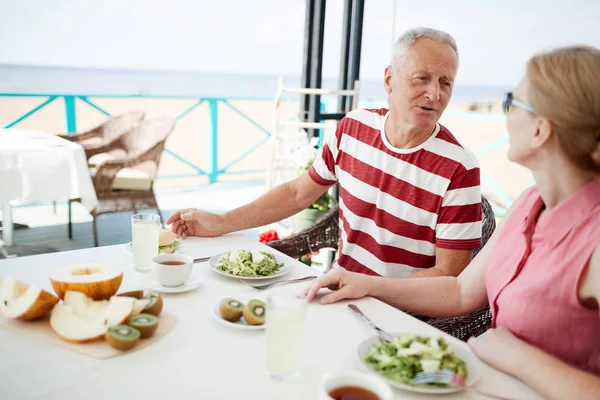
column 448, row 262
column 278, row 203
column 281, row 202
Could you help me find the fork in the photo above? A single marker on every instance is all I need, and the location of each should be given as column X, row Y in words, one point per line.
column 450, row 377
column 268, row 285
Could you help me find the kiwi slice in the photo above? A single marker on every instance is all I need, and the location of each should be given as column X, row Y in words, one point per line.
column 145, row 323
column 122, row 337
column 254, row 312
column 231, row 309
column 156, row 304
column 136, row 294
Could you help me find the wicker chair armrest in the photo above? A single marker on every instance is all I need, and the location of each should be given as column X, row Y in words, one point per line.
column 77, row 137
column 106, row 172
column 465, row 326
column 323, row 233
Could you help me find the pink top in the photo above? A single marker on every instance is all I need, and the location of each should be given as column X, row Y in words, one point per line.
column 532, row 276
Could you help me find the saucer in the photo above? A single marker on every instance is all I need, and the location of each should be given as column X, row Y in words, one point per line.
column 148, row 281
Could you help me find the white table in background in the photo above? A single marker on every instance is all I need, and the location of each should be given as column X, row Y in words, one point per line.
column 40, row 167
column 200, row 358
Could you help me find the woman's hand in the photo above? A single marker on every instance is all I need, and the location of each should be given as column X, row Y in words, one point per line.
column 499, row 348
column 346, row 285
column 194, row 222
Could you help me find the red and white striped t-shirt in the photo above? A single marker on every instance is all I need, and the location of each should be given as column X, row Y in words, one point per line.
column 398, row 205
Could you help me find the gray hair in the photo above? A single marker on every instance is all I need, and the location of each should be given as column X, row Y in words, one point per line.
column 410, row 37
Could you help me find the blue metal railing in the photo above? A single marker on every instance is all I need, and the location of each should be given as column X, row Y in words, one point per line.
column 214, row 171
column 213, row 103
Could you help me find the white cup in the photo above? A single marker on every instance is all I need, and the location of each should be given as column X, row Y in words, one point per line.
column 370, row 382
column 172, row 275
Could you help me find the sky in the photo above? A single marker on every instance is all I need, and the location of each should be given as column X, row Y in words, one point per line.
column 495, row 37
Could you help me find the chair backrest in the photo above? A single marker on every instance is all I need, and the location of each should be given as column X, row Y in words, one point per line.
column 488, row 223
column 120, row 124
column 147, row 134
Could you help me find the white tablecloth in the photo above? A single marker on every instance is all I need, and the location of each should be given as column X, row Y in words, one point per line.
column 200, row 358
column 38, row 167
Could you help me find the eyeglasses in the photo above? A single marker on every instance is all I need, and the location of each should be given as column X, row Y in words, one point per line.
column 509, row 100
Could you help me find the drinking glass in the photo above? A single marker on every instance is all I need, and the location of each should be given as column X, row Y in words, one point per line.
column 285, row 322
column 144, row 235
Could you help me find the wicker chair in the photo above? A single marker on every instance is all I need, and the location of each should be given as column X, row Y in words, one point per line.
column 126, row 183
column 324, row 233
column 102, row 138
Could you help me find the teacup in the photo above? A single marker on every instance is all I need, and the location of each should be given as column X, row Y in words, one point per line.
column 351, row 379
column 172, row 270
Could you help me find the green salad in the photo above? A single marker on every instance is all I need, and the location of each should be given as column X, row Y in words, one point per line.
column 249, row 263
column 407, row 355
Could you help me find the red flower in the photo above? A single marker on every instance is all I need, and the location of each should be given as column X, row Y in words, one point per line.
column 310, row 255
column 268, row 236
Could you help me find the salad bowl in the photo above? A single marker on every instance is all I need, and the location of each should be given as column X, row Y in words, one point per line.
column 241, row 265
column 368, row 351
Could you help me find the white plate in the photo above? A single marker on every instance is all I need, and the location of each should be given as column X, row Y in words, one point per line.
column 127, row 248
column 214, row 260
column 193, row 282
column 473, row 366
column 241, row 324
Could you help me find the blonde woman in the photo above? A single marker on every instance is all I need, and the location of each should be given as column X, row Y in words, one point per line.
column 540, row 271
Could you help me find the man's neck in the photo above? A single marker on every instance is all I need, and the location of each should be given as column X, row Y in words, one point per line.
column 402, row 136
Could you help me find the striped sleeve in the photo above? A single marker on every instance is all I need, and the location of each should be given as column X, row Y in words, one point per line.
column 459, row 220
column 322, row 171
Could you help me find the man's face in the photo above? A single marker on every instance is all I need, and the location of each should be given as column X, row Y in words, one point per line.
column 421, row 87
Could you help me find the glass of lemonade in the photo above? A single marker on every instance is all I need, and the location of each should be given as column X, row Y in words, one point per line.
column 144, row 235
column 285, row 322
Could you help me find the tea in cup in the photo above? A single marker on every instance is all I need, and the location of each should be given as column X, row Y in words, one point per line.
column 172, row 270
column 354, row 385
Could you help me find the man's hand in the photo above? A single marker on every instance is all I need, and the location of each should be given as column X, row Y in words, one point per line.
column 346, row 285
column 194, row 222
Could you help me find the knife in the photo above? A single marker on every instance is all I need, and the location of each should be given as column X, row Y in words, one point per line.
column 383, row 335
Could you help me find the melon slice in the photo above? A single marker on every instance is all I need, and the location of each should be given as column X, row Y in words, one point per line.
column 19, row 300
column 97, row 280
column 80, row 319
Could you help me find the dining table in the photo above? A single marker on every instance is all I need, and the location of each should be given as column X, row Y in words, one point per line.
column 202, row 358
column 37, row 166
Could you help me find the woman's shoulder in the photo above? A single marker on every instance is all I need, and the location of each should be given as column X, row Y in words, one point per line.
column 522, row 205
column 529, row 196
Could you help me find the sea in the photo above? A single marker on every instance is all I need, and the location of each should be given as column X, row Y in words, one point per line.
column 21, row 79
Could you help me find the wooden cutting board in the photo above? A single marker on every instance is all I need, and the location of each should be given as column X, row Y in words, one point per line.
column 41, row 330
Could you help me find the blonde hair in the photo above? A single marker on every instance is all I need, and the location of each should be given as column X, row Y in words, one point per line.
column 565, row 88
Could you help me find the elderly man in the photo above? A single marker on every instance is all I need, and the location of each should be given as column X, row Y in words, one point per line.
column 410, row 200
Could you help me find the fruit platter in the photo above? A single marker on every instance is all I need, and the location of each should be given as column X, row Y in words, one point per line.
column 86, row 311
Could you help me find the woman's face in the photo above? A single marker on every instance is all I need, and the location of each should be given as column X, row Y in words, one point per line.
column 521, row 125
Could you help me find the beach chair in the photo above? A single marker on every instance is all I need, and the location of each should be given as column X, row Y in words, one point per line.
column 325, row 233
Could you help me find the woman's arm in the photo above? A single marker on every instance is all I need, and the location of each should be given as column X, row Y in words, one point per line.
column 434, row 297
column 549, row 376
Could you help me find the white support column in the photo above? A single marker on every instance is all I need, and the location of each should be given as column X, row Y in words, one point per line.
column 7, row 225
